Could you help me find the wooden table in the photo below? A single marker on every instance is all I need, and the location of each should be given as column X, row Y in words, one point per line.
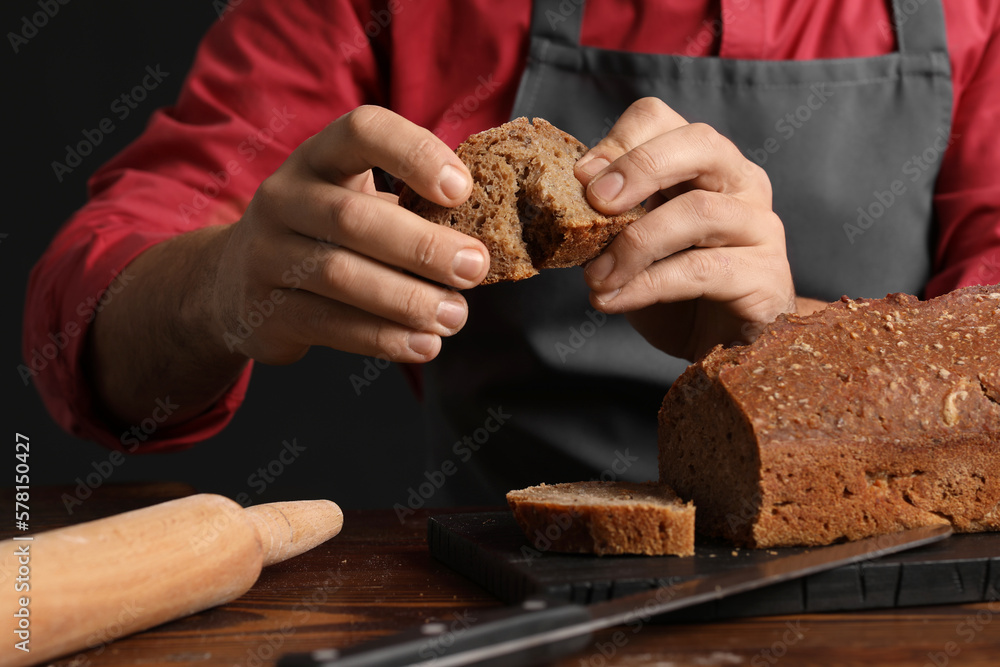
column 377, row 578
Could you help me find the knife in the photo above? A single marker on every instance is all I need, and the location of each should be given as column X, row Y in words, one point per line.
column 540, row 630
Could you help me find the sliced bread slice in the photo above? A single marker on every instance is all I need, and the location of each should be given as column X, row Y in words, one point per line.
column 605, row 518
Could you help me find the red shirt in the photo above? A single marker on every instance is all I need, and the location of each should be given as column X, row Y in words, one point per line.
column 268, row 75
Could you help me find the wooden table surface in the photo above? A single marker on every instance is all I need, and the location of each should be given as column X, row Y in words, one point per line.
column 377, row 577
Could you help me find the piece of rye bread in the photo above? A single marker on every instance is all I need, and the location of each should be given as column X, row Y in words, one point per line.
column 605, row 518
column 527, row 207
column 866, row 418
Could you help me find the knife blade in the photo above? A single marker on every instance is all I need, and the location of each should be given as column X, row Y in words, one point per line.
column 541, row 630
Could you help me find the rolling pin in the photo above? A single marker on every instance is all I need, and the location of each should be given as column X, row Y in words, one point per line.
column 100, row 580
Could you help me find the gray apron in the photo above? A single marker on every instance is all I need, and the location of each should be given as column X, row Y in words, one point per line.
column 852, row 147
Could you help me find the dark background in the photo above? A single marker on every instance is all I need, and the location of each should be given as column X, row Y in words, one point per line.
column 360, row 450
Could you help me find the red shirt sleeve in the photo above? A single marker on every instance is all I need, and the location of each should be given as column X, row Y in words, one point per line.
column 967, row 198
column 267, row 76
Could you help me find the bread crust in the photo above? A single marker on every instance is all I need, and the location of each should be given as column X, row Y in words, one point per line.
column 866, row 418
column 527, row 206
column 605, row 518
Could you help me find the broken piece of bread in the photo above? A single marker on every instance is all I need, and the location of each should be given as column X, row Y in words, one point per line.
column 527, row 206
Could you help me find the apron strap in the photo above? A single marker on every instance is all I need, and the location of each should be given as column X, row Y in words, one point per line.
column 558, row 20
column 919, row 26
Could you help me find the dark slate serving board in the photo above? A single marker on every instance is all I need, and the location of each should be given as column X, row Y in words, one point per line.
column 490, row 549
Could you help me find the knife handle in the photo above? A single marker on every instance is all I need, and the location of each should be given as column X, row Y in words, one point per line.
column 445, row 642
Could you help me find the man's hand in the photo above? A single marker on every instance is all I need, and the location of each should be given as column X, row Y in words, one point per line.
column 356, row 271
column 707, row 264
column 319, row 257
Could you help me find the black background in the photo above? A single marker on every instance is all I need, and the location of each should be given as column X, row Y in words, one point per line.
column 360, row 450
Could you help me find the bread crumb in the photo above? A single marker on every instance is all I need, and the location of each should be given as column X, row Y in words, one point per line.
column 950, row 412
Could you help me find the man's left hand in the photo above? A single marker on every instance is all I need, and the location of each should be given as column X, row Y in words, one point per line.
column 707, row 264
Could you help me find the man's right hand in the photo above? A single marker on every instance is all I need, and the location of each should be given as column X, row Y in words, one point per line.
column 343, row 265
column 319, row 257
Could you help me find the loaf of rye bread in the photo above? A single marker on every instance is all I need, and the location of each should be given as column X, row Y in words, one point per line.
column 605, row 518
column 868, row 417
column 527, row 207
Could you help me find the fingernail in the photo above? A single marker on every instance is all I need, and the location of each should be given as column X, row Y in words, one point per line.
column 468, row 263
column 450, row 314
column 593, row 165
column 601, row 268
column 422, row 343
column 453, row 182
column 605, row 297
column 608, row 186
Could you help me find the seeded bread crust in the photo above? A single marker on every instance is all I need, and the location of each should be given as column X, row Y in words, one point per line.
column 866, row 418
column 527, row 207
column 605, row 518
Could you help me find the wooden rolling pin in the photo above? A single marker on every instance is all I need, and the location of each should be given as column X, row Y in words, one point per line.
column 104, row 579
